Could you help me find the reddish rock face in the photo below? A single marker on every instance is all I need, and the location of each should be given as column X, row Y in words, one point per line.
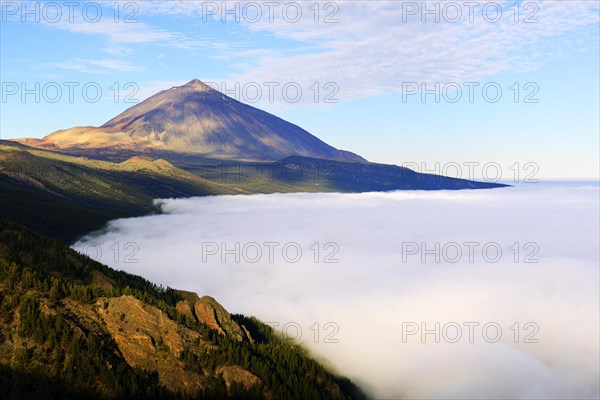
column 150, row 340
column 211, row 313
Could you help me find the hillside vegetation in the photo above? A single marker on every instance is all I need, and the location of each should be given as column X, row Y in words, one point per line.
column 73, row 328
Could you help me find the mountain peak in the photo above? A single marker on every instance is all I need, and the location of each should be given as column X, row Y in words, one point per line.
column 197, row 84
column 185, row 121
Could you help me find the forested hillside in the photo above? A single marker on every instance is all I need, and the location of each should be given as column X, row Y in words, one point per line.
column 73, row 328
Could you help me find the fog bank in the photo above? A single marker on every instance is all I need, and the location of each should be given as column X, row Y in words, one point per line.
column 470, row 294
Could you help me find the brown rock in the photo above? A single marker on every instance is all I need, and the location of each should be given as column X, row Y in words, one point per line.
column 211, row 313
column 150, row 340
column 183, row 307
column 235, row 374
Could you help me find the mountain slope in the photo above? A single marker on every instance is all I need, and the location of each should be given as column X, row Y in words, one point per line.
column 305, row 174
column 194, row 119
column 72, row 328
column 67, row 196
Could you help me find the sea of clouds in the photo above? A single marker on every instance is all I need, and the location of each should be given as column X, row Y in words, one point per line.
column 448, row 294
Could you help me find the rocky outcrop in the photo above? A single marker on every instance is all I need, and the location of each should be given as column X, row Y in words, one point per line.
column 150, row 340
column 210, row 312
column 234, row 374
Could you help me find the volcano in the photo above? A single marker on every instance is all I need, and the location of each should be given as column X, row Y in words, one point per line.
column 194, row 120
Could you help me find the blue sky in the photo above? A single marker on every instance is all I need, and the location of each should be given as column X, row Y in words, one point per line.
column 368, row 57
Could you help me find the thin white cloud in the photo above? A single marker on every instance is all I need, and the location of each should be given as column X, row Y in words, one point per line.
column 372, row 293
column 376, row 47
column 134, row 33
column 99, row 66
column 371, row 51
column 153, row 87
column 140, row 33
column 117, row 50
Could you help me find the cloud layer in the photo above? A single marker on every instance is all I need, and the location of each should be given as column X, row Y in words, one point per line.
column 523, row 324
column 366, row 48
column 377, row 47
column 371, row 48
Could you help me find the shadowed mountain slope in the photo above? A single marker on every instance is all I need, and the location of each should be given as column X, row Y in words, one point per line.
column 67, row 196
